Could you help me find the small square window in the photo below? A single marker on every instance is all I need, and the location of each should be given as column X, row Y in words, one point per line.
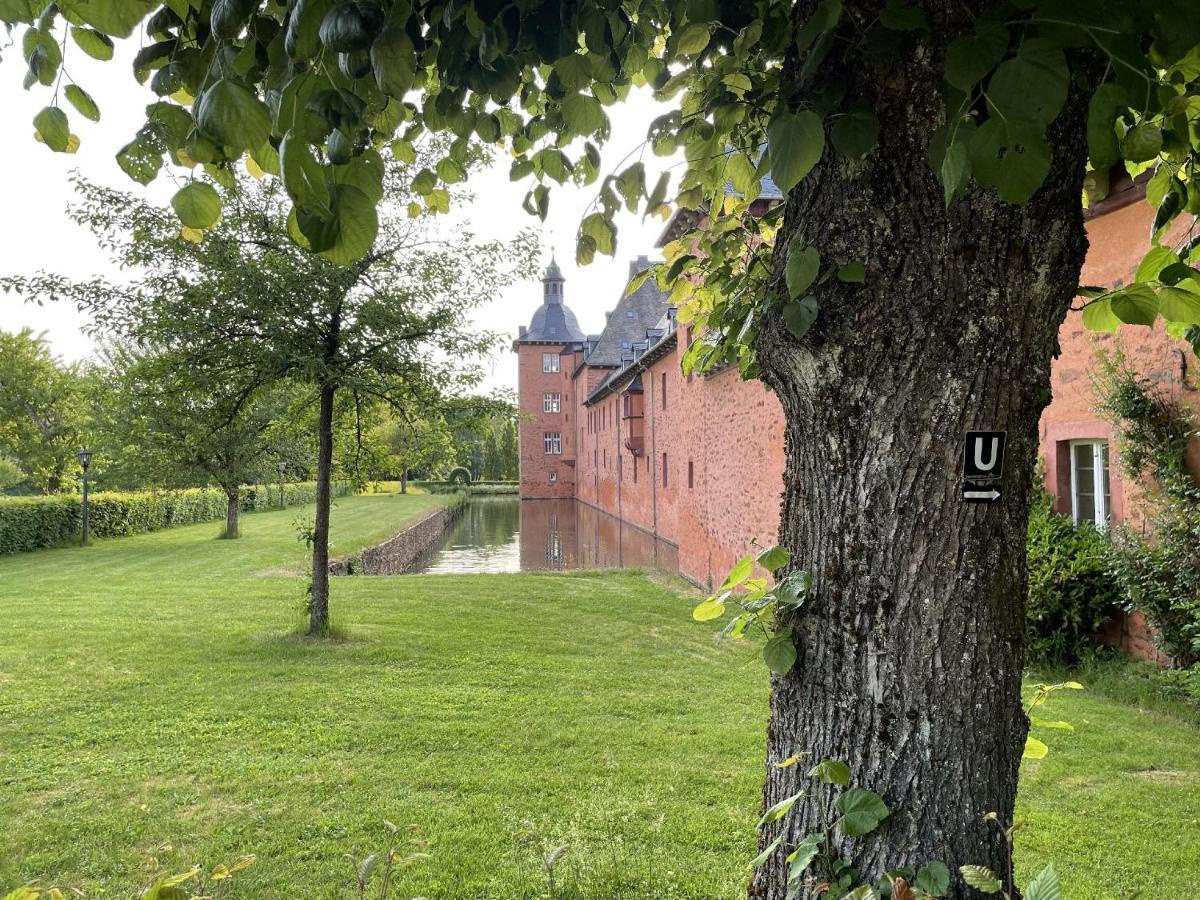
column 553, row 477
column 629, row 313
column 625, row 345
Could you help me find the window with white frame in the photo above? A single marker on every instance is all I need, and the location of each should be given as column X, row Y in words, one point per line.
column 1090, row 498
column 551, row 402
column 552, row 442
column 553, row 477
column 549, row 362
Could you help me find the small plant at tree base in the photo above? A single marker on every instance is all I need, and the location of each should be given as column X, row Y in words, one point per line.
column 386, row 863
column 765, row 607
column 1035, row 749
column 815, row 869
column 1043, row 886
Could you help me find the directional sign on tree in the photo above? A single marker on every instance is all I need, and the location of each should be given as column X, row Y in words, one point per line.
column 975, row 492
column 983, row 455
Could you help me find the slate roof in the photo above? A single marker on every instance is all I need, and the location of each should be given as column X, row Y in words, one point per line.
column 553, row 322
column 648, row 306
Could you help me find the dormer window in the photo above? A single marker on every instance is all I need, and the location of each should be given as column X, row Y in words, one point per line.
column 629, row 313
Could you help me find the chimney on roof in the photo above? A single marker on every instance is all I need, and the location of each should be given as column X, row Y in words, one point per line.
column 637, row 266
column 521, row 332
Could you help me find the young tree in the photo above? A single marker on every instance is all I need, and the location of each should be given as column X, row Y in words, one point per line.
column 418, row 442
column 246, row 306
column 42, row 410
column 933, row 155
column 178, row 425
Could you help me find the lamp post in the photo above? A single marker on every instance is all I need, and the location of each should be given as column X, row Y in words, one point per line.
column 85, row 461
column 282, row 471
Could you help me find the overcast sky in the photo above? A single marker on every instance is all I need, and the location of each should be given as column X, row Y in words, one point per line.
column 36, row 234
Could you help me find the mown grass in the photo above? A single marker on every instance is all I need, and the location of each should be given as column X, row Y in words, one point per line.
column 154, row 689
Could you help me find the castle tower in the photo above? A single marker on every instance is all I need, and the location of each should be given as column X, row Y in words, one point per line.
column 545, row 351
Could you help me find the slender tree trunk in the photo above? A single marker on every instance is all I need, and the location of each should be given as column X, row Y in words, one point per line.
column 231, row 512
column 404, row 481
column 910, row 649
column 318, row 617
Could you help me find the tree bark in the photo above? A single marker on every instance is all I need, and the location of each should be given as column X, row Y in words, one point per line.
column 318, row 604
column 404, row 481
column 910, row 648
column 231, row 513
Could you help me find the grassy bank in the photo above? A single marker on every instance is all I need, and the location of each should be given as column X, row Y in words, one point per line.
column 152, row 690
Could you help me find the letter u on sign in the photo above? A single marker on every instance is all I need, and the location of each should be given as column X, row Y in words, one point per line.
column 983, row 455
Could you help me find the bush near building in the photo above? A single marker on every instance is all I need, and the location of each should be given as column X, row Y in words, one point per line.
column 31, row 523
column 1072, row 592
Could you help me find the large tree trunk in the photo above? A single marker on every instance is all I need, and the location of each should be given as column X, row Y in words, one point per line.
column 318, row 603
column 231, row 512
column 910, row 649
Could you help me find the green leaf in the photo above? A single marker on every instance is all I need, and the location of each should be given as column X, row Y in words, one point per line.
column 1108, row 103
column 349, row 233
column 933, row 878
column 1044, row 885
column 799, row 315
column 853, row 273
column 1142, row 143
column 831, row 771
column 712, row 608
column 693, row 39
column 599, row 228
column 954, row 170
column 450, row 171
column 302, row 40
column 796, row 141
column 82, row 101
column 862, row 892
column 1178, row 305
column 862, row 811
column 981, row 878
column 303, row 177
column 779, row 653
column 1034, row 749
column 855, row 134
column 766, row 854
column 393, row 60
column 1010, row 157
column 197, row 204
column 141, row 158
column 1098, row 315
column 779, row 810
column 51, row 123
column 803, row 264
column 93, row 43
column 1153, row 263
column 117, row 18
column 824, row 18
column 740, row 572
column 801, row 858
column 774, row 558
column 582, row 114
column 1135, row 305
column 1031, row 87
column 971, row 57
column 230, row 114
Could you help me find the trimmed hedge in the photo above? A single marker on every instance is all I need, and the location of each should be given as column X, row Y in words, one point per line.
column 474, row 487
column 32, row 523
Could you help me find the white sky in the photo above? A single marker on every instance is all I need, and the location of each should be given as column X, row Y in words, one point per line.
column 35, row 232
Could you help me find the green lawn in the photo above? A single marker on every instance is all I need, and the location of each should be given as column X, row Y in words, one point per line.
column 152, row 690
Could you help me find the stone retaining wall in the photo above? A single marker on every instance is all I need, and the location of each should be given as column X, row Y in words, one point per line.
column 396, row 555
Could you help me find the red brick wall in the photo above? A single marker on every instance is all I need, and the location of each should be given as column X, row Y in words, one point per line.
column 535, row 464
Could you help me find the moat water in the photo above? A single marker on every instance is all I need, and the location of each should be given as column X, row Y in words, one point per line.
column 505, row 534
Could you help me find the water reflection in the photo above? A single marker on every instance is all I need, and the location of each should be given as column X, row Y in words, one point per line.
column 504, row 534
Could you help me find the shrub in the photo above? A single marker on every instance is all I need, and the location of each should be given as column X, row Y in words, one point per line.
column 31, row 523
column 1159, row 571
column 1072, row 592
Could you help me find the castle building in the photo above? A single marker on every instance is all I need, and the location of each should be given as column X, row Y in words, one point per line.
column 697, row 462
